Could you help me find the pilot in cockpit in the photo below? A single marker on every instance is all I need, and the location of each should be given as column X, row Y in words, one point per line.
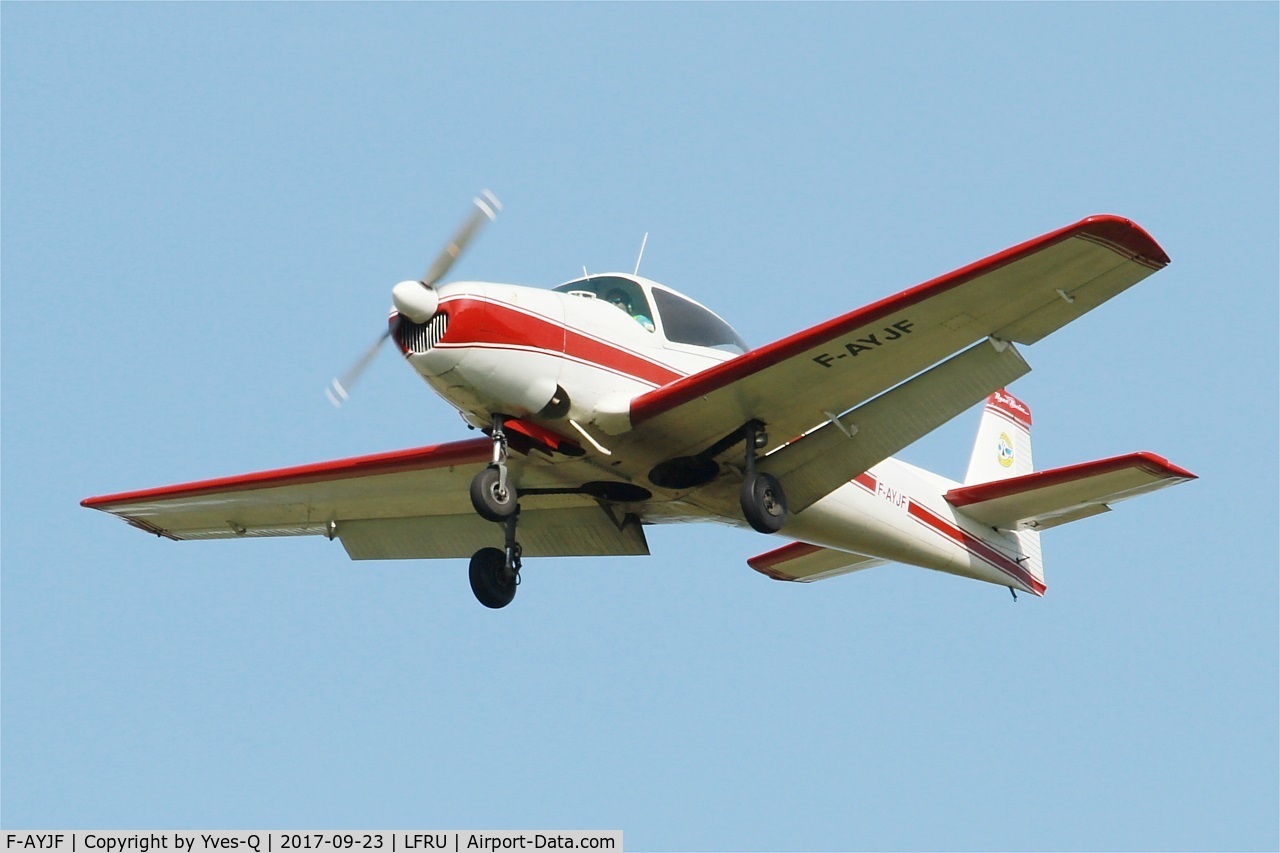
column 621, row 300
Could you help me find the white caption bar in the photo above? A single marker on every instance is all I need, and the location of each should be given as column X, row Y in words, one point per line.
column 275, row 841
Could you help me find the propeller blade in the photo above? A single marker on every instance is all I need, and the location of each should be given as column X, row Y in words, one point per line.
column 487, row 207
column 340, row 387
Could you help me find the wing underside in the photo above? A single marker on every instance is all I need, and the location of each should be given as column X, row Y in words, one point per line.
column 796, row 384
column 405, row 504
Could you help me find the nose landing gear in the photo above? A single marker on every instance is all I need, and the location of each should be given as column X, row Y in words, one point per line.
column 491, row 493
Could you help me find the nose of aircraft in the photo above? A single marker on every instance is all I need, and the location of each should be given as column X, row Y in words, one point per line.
column 415, row 300
column 455, row 314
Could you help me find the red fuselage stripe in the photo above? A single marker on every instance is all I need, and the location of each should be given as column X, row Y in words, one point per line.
column 485, row 323
column 974, row 546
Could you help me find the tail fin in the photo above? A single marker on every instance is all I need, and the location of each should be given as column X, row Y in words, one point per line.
column 1003, row 447
column 1003, row 450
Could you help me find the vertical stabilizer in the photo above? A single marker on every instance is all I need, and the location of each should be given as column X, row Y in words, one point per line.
column 1003, row 446
column 1003, row 450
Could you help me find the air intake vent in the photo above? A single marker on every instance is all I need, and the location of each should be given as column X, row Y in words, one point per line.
column 421, row 337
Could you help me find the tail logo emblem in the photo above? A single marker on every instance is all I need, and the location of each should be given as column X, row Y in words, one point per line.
column 1004, row 451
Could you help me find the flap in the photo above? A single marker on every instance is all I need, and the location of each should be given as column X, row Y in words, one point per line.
column 1049, row 498
column 572, row 532
column 818, row 463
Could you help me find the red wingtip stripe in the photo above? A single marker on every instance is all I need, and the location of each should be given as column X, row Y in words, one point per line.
column 1125, row 235
column 415, row 459
column 1159, row 465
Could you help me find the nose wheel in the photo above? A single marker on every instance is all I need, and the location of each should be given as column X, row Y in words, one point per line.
column 492, row 495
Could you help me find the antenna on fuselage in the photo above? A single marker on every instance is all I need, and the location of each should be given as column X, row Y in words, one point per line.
column 643, row 243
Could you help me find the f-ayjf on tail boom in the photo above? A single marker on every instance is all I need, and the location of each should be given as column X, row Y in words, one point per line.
column 613, row 402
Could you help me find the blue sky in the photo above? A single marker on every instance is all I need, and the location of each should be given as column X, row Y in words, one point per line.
column 205, row 207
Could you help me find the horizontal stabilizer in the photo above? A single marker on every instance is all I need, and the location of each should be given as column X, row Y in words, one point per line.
column 1048, row 498
column 800, row 561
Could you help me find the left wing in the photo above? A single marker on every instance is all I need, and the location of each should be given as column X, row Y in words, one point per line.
column 1019, row 295
column 404, row 504
column 1048, row 498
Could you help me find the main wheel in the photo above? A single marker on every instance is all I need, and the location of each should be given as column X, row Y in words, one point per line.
column 489, row 499
column 489, row 578
column 764, row 504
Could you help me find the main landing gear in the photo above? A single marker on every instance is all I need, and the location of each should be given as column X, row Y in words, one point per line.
column 495, row 573
column 764, row 504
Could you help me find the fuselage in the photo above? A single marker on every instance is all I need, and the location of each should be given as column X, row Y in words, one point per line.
column 506, row 349
column 569, row 361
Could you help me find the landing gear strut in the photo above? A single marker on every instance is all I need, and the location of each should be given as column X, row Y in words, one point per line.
column 764, row 504
column 491, row 492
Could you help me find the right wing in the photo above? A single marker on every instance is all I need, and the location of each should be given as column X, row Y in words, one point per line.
column 410, row 504
column 792, row 385
column 1046, row 499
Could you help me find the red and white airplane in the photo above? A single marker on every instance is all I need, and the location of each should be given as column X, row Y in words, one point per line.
column 613, row 402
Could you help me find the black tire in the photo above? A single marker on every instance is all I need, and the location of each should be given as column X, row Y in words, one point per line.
column 485, row 497
column 489, row 580
column 764, row 504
